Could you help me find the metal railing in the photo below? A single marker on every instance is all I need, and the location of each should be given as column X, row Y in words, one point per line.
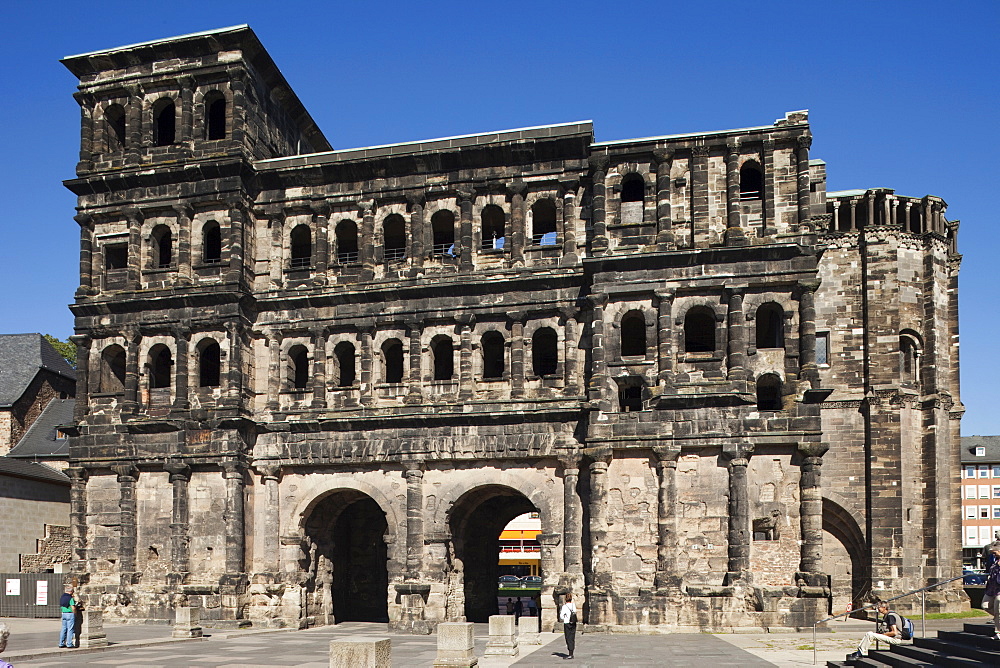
column 923, row 609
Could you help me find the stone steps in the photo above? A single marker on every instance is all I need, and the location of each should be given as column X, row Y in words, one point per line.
column 973, row 646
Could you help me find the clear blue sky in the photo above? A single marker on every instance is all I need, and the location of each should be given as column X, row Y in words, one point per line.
column 901, row 95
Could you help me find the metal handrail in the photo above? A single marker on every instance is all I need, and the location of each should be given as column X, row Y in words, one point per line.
column 923, row 609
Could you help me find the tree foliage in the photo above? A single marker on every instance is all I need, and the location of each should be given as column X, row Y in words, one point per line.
column 65, row 348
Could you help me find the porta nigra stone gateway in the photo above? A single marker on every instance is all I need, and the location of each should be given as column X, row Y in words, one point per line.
column 315, row 384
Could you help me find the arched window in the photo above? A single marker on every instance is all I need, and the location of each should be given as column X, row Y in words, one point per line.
column 298, row 367
column 164, row 122
column 114, row 127
column 162, row 247
column 443, row 229
column 301, row 243
column 494, row 233
column 347, row 242
column 770, row 326
column 632, row 198
column 209, row 363
column 769, row 392
column 211, row 243
column 544, row 351
column 344, row 354
column 909, row 358
column 444, row 358
column 112, row 378
column 699, row 330
column 215, row 116
column 392, row 359
column 160, row 362
column 633, row 334
column 543, row 223
column 751, row 181
column 493, row 354
column 394, row 238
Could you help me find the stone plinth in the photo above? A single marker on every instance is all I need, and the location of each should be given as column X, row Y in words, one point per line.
column 529, row 631
column 187, row 623
column 92, row 629
column 360, row 652
column 455, row 645
column 502, row 641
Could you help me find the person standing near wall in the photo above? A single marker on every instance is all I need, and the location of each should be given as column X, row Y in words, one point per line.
column 567, row 615
column 991, row 595
column 67, row 606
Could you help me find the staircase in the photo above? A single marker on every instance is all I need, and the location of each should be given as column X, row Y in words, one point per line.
column 972, row 646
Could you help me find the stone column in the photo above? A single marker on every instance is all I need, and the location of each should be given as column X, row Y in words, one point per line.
column 835, row 220
column 84, row 379
column 127, row 475
column 598, row 214
column 321, row 224
column 233, row 517
column 667, row 578
column 664, row 159
column 600, row 576
column 180, row 476
column 276, row 266
column 418, row 231
column 599, row 377
column 465, row 229
column 130, row 404
column 274, row 370
column 186, row 130
column 466, row 389
column 367, row 388
column 570, row 355
column 78, row 517
column 86, row 223
column 811, row 507
column 516, row 354
column 570, row 256
column 770, row 226
column 88, row 139
column 572, row 516
column 699, row 195
column 135, row 219
column 517, row 232
column 182, row 337
column 738, row 456
column 319, row 368
column 414, row 473
column 802, row 162
column 234, row 374
column 184, row 271
column 734, row 231
column 870, row 205
column 737, row 336
column 134, row 124
column 664, row 335
column 367, row 240
column 237, row 226
column 853, row 213
column 809, row 372
column 414, row 393
column 906, row 214
column 268, row 536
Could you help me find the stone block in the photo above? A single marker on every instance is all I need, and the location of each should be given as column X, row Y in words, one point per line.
column 187, row 623
column 92, row 629
column 361, row 652
column 529, row 631
column 502, row 640
column 455, row 645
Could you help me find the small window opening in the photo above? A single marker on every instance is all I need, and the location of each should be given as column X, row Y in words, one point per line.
column 443, row 230
column 347, row 242
column 769, row 392
column 770, row 326
column 909, row 359
column 164, row 124
column 209, row 363
column 215, row 117
column 544, row 352
column 394, row 238
column 751, row 181
column 444, row 358
column 630, row 398
column 493, row 354
column 163, row 247
column 493, row 227
column 392, row 355
column 822, row 348
column 699, row 331
column 114, row 119
column 301, row 241
column 298, row 362
column 632, row 196
column 766, row 528
column 113, row 369
column 543, row 223
column 633, row 334
column 116, row 256
column 160, row 362
column 344, row 352
column 211, row 243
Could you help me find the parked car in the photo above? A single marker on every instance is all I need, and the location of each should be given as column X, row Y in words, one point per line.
column 533, row 581
column 973, row 577
column 509, row 581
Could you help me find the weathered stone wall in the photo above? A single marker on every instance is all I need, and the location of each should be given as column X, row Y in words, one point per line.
column 28, row 506
column 53, row 549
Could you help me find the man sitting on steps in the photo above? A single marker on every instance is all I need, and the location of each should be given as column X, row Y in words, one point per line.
column 893, row 634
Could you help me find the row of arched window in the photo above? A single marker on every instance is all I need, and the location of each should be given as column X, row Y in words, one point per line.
column 165, row 121
column 633, row 186
column 159, row 364
column 699, row 330
column 162, row 252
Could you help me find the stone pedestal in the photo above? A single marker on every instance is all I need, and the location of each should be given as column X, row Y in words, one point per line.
column 187, row 623
column 358, row 652
column 92, row 629
column 455, row 645
column 529, row 631
column 502, row 641
column 412, row 598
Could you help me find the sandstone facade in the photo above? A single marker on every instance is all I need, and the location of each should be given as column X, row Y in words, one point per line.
column 314, row 385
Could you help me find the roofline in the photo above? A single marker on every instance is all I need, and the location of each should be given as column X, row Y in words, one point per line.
column 177, row 38
column 64, row 483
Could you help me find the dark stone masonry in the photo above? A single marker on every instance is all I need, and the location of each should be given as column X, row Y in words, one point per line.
column 315, row 384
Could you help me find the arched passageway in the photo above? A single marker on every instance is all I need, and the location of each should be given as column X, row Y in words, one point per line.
column 477, row 519
column 844, row 550
column 348, row 557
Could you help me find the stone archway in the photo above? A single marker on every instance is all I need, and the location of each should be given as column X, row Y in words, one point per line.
column 476, row 520
column 348, row 557
column 844, row 557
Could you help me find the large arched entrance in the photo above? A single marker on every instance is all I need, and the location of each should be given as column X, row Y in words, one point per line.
column 844, row 550
column 476, row 520
column 348, row 558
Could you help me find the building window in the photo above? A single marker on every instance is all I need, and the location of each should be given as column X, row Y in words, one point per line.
column 116, row 256
column 769, row 392
column 114, row 127
column 633, row 334
column 984, row 471
column 823, row 348
column 632, row 198
column 984, row 512
column 771, row 326
column 984, row 491
column 909, row 358
column 301, row 247
column 751, row 181
column 164, row 122
column 493, row 232
column 162, row 247
column 980, row 451
column 543, row 223
column 996, row 492
column 347, row 242
column 971, row 534
column 211, row 243
column 996, row 471
column 699, row 330
column 394, row 238
column 215, row 116
column 209, row 363
column 970, row 471
column 970, row 491
column 298, row 367
column 544, row 352
column 996, row 512
column 160, row 362
column 112, row 379
column 392, row 358
column 630, row 391
column 970, row 512
column 984, row 535
column 443, row 352
column 344, row 357
column 443, row 231
column 493, row 354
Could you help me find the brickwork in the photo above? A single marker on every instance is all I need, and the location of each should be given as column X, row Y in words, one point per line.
column 31, row 508
column 53, row 549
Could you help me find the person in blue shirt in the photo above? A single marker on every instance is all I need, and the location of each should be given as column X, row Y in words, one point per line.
column 67, row 606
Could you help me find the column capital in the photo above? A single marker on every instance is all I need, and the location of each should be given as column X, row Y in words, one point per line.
column 599, row 162
column 465, row 193
column 807, row 286
column 598, row 299
column 600, row 457
column 663, row 155
column 77, row 474
column 733, row 146
column 667, row 454
column 126, row 472
column 517, row 187
column 466, row 319
column 813, row 449
column 133, row 214
column 665, row 294
column 183, row 210
column 804, row 141
column 569, row 184
column 700, row 151
column 738, row 453
column 321, row 208
column 268, row 471
column 177, row 470
column 571, row 461
column 83, row 219
column 233, row 470
column 735, row 291
column 413, row 470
